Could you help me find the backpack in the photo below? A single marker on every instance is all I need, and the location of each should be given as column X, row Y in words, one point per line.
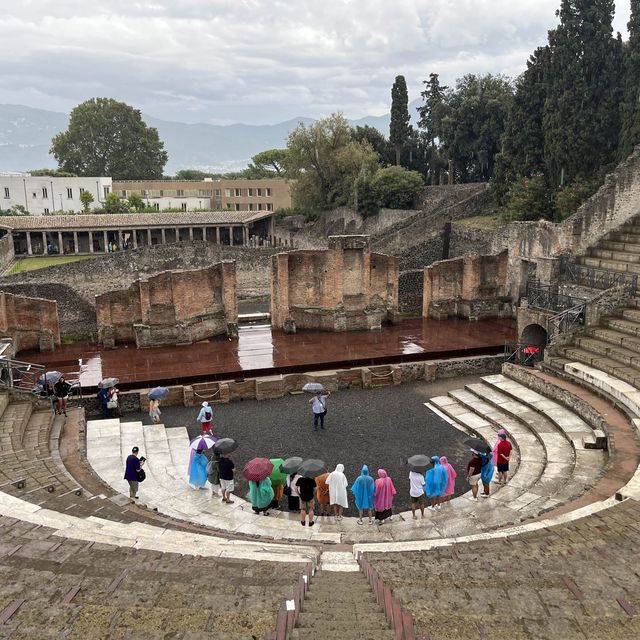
column 211, row 468
column 207, row 416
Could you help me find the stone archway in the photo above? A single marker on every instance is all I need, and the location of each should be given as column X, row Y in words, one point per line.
column 533, row 341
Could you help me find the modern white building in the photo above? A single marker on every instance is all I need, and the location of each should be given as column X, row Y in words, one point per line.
column 42, row 195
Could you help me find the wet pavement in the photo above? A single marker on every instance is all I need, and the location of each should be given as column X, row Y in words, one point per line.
column 259, row 350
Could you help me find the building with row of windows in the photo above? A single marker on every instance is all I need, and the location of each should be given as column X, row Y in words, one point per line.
column 210, row 194
column 41, row 195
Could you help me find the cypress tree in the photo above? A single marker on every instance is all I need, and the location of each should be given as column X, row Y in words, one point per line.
column 630, row 109
column 399, row 128
column 431, row 114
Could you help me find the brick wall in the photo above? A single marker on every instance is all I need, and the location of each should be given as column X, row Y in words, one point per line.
column 173, row 307
column 32, row 323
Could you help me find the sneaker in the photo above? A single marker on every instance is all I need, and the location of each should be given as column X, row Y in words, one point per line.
column 311, row 524
column 431, row 508
column 473, row 499
column 438, row 506
column 359, row 520
column 304, row 524
column 485, row 495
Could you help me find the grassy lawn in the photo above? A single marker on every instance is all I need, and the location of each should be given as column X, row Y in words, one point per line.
column 40, row 262
column 481, row 222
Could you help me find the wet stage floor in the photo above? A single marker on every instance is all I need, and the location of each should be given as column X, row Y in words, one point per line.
column 261, row 351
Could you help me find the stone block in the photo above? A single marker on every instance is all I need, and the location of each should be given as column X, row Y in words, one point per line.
column 270, row 387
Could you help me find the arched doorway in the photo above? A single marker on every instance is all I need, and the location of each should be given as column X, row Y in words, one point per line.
column 533, row 341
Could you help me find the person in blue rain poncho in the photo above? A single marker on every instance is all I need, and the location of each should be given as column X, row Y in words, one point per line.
column 363, row 489
column 198, row 471
column 436, row 480
column 486, row 473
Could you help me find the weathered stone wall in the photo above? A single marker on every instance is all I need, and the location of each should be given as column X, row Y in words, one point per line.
column 173, row 307
column 410, row 287
column 7, row 253
column 74, row 286
column 32, row 323
column 343, row 288
column 472, row 287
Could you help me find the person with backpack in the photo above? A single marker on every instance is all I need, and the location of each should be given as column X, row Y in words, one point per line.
column 61, row 389
column 205, row 416
column 213, row 471
column 319, row 407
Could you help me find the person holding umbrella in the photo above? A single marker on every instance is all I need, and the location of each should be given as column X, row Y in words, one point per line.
column 278, row 480
column 363, row 489
column 155, row 395
column 226, row 467
column 306, row 489
column 418, row 465
column 319, row 407
column 290, row 466
column 257, row 472
column 198, row 470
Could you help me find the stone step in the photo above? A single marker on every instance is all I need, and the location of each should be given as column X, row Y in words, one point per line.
column 616, row 256
column 625, row 247
column 351, row 634
column 616, row 338
column 608, row 365
column 624, row 236
column 633, row 315
column 355, row 617
column 621, row 325
column 626, row 357
column 609, row 265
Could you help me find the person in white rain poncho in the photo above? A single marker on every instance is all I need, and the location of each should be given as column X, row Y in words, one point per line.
column 337, row 482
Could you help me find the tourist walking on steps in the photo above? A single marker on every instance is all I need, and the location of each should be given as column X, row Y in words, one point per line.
column 204, row 417
column 486, row 472
column 291, row 491
column 198, row 470
column 495, row 446
column 451, row 480
column 260, row 496
column 338, row 484
column 435, row 483
column 322, row 495
column 383, row 497
column 306, row 489
column 213, row 471
column 154, row 410
column 416, row 492
column 226, row 472
column 319, row 408
column 503, row 456
column 132, row 468
column 363, row 489
column 474, row 469
column 61, row 389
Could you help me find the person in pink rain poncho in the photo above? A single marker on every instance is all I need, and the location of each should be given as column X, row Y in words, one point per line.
column 451, row 481
column 383, row 496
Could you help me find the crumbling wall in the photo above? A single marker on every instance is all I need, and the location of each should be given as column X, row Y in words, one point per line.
column 473, row 287
column 32, row 323
column 173, row 307
column 342, row 288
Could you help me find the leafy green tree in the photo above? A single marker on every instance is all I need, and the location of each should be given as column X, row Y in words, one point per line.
column 114, row 204
column 377, row 141
column 399, row 129
column 581, row 113
column 365, row 199
column 109, row 138
column 397, row 187
column 86, row 198
column 324, row 162
column 630, row 109
column 473, row 125
column 192, row 174
column 432, row 113
column 54, row 173
column 135, row 202
column 569, row 198
column 528, row 199
column 271, row 160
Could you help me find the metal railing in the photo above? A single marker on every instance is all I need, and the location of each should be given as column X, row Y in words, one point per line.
column 567, row 321
column 545, row 296
column 595, row 278
column 524, row 353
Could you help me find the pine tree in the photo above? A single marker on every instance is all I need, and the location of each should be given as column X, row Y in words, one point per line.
column 432, row 113
column 630, row 108
column 400, row 128
column 581, row 117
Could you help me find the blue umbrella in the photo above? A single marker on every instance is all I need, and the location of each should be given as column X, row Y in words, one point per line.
column 158, row 393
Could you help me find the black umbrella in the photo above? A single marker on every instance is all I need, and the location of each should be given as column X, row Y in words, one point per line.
column 419, row 463
column 291, row 465
column 225, row 445
column 478, row 445
column 312, row 468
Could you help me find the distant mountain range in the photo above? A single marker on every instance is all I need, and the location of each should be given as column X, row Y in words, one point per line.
column 26, row 133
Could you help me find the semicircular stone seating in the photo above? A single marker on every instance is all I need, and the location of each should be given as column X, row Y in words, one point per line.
column 551, row 461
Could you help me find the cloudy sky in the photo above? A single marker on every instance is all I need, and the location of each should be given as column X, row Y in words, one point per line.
column 258, row 61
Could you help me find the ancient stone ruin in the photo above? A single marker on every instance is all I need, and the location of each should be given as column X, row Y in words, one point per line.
column 343, row 288
column 32, row 323
column 173, row 307
column 474, row 287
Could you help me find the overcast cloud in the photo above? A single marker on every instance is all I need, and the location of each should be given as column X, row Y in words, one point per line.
column 258, row 61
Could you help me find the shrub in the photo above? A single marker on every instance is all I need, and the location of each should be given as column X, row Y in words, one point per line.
column 528, row 199
column 397, row 188
column 569, row 198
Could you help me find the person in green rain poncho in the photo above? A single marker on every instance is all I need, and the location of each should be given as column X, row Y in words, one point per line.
column 261, row 495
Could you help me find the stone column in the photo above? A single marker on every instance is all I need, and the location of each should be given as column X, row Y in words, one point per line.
column 244, row 236
column 231, row 236
column 60, row 245
column 191, row 234
column 204, row 234
column 163, row 236
column 217, row 235
column 119, row 239
column 75, row 242
column 149, row 237
column 134, row 235
column 44, row 243
column 105, row 240
column 29, row 249
column 177, row 234
column 90, row 241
